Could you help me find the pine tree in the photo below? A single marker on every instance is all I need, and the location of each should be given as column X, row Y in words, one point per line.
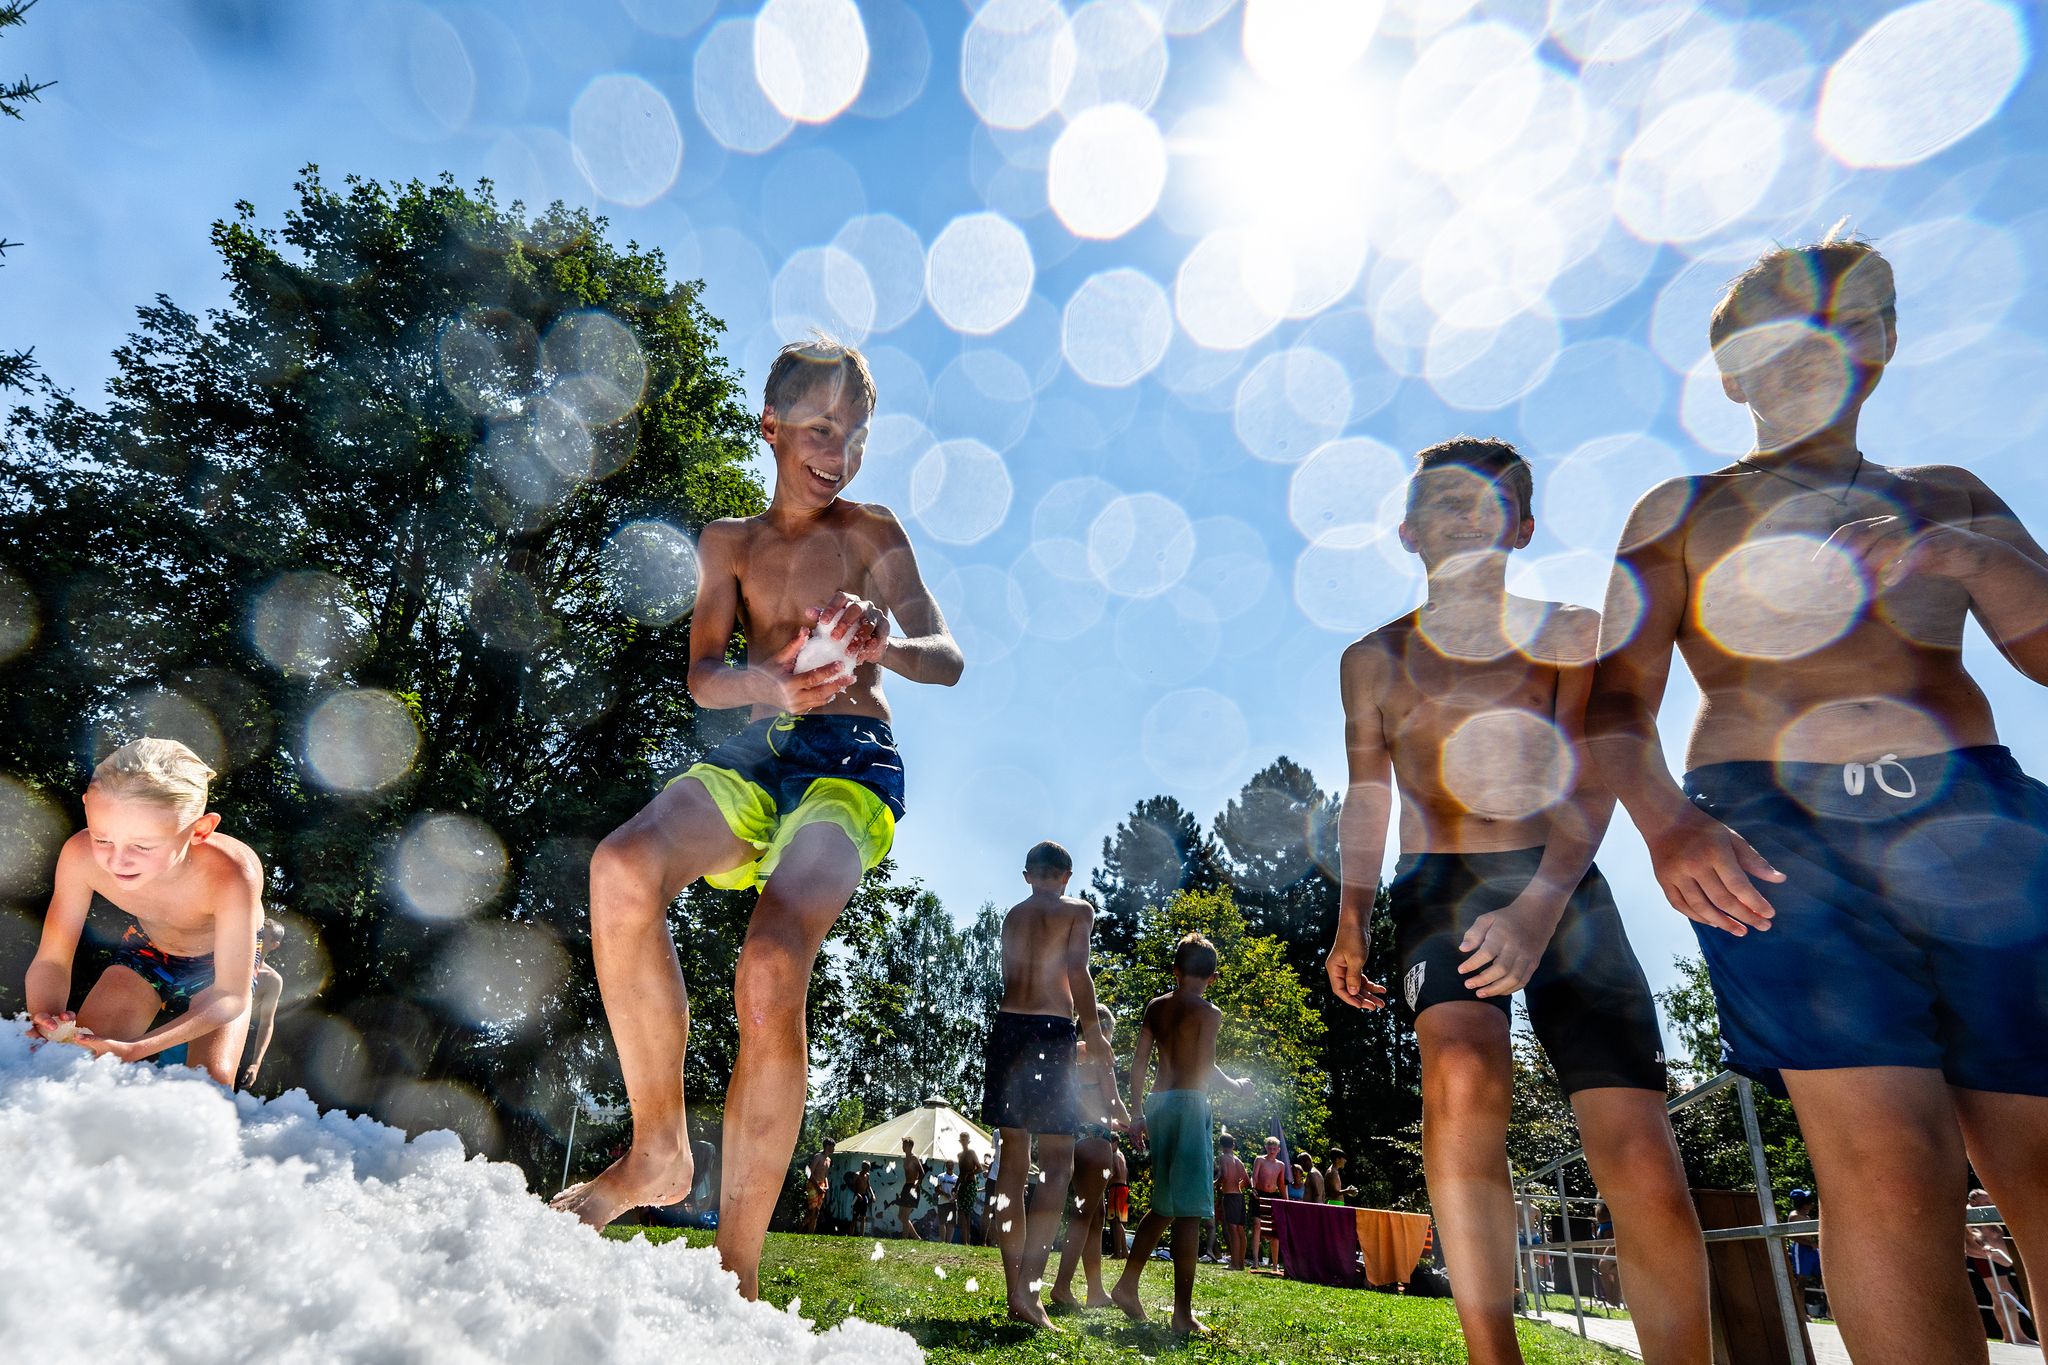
column 1159, row 850
column 17, row 367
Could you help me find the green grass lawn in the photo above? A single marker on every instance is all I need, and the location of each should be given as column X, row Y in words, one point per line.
column 958, row 1316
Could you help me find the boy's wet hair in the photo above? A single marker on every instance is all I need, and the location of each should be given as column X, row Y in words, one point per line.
column 803, row 365
column 1104, row 1015
column 1803, row 282
column 1489, row 457
column 1195, row 956
column 270, row 932
column 1227, row 1143
column 1047, row 856
column 161, row 771
column 1337, row 1154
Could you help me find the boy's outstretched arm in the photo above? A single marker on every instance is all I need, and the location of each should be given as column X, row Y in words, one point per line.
column 925, row 652
column 269, row 991
column 48, row 986
column 1704, row 868
column 1362, row 824
column 1081, row 985
column 1506, row 944
column 1141, row 1075
column 718, row 685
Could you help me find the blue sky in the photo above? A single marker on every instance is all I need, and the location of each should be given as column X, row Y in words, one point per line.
column 1159, row 292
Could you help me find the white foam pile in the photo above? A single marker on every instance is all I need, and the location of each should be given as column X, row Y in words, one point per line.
column 149, row 1216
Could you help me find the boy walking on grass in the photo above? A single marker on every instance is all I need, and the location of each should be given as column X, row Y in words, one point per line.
column 1474, row 703
column 1179, row 1031
column 195, row 896
column 1233, row 1193
column 1029, row 1087
column 801, row 803
column 1863, row 861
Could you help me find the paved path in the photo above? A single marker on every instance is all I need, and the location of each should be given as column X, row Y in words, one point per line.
column 1827, row 1340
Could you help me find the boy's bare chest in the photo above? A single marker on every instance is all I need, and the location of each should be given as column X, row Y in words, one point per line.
column 1437, row 698
column 782, row 577
column 182, row 924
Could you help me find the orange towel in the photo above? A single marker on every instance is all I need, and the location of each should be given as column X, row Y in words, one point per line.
column 1392, row 1243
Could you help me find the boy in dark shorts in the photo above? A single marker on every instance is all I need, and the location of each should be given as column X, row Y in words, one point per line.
column 1180, row 1027
column 1890, row 973
column 801, row 803
column 1233, row 1198
column 1474, row 703
column 153, row 850
column 911, row 1192
column 1029, row 1086
column 1096, row 1159
column 863, row 1187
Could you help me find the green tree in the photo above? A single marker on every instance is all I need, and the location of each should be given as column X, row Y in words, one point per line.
column 400, row 538
column 1159, row 850
column 16, row 367
column 1271, row 1029
column 914, row 1020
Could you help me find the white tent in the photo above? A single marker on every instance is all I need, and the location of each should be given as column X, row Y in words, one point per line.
column 934, row 1129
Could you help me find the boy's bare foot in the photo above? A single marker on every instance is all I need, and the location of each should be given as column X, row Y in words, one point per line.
column 1188, row 1326
column 1098, row 1300
column 637, row 1178
column 1125, row 1296
column 1062, row 1297
column 1030, row 1310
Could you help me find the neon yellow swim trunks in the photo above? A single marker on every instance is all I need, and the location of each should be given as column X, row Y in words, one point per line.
column 785, row 772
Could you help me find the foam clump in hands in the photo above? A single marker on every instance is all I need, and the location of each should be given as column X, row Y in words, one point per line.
column 172, row 1199
column 821, row 648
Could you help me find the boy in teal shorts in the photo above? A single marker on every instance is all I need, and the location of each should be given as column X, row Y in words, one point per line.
column 801, row 803
column 1175, row 1121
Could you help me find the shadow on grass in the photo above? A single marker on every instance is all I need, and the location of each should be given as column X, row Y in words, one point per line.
column 1148, row 1339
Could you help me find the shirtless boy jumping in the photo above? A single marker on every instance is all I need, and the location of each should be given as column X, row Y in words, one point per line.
column 801, row 803
column 1891, row 970
column 1029, row 1084
column 151, row 848
column 1474, row 704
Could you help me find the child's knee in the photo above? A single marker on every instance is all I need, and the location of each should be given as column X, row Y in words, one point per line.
column 1465, row 1076
column 622, row 862
column 770, row 989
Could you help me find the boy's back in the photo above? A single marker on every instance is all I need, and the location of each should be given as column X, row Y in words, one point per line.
column 1041, row 935
column 1183, row 1029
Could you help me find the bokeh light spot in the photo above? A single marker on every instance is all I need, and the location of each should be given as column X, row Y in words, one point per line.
column 652, row 567
column 31, row 830
column 448, row 865
column 823, row 289
column 626, row 140
column 1116, row 327
column 810, row 56
column 891, row 258
column 1017, row 59
column 1140, row 544
column 1291, row 402
column 729, row 98
column 1227, row 295
column 1194, row 738
column 1922, row 78
column 1507, row 765
column 1107, row 170
column 1702, row 164
column 1289, row 41
column 1780, row 597
column 360, row 740
column 598, row 371
column 960, row 491
column 979, row 273
column 309, row 624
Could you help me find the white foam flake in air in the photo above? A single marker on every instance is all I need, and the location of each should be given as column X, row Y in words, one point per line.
column 198, row 1227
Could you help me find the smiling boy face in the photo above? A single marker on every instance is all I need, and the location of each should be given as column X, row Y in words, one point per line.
column 1456, row 511
column 818, row 439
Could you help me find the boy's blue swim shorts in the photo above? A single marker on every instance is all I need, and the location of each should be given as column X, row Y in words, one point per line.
column 1911, row 927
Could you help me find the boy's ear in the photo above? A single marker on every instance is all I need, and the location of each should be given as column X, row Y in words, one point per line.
column 1732, row 386
column 769, row 423
column 204, row 826
column 1407, row 538
column 1523, row 532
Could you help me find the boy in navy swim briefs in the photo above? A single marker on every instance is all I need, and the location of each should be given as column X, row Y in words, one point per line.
column 1473, row 704
column 801, row 803
column 1865, row 865
column 152, row 849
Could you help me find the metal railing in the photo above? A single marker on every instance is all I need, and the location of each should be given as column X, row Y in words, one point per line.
column 1533, row 1188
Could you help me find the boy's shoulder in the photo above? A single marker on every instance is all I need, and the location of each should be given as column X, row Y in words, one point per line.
column 228, row 865
column 1564, row 633
column 1370, row 659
